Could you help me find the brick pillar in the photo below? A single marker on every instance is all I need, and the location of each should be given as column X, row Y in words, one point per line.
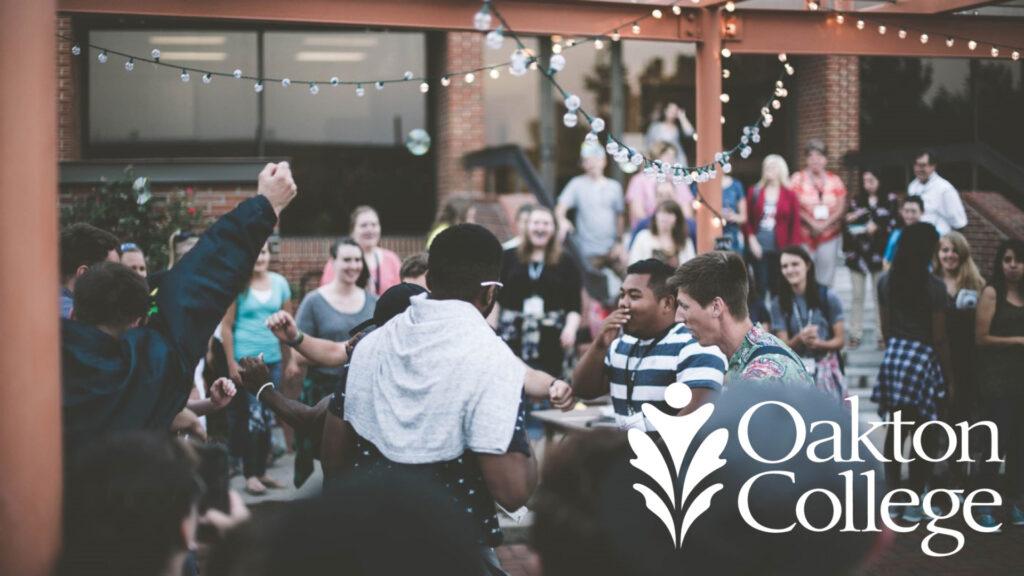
column 68, row 124
column 827, row 94
column 459, row 115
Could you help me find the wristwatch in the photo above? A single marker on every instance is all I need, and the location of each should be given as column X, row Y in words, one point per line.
column 298, row 340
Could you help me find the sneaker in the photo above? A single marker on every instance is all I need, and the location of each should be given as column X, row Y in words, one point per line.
column 1016, row 516
column 913, row 513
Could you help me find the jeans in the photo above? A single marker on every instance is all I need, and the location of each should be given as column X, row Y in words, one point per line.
column 251, row 427
column 826, row 258
column 859, row 280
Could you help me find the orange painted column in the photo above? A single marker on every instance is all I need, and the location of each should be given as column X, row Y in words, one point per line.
column 709, row 121
column 30, row 418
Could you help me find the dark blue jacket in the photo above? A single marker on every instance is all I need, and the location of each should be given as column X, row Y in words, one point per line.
column 142, row 379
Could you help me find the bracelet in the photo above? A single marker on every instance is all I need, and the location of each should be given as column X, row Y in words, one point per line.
column 262, row 388
column 298, row 339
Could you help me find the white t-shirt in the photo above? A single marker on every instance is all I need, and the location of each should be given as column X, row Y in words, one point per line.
column 942, row 205
column 645, row 244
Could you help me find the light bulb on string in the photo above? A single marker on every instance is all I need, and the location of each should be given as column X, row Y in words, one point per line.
column 950, row 42
column 378, row 85
column 636, row 28
column 258, row 87
column 207, row 78
column 570, row 119
column 902, row 33
column 155, row 54
column 616, row 36
column 840, row 19
column 556, row 48
column 716, row 222
column 656, row 13
column 924, row 38
column 696, row 205
column 129, row 65
column 570, row 42
column 335, row 81
column 598, row 44
column 286, row 82
column 494, row 74
column 726, row 73
column 314, row 89
column 782, row 57
column 237, row 73
column 789, row 69
column 482, row 19
column 185, row 75
column 882, row 29
column 812, row 5
column 470, row 77
column 445, row 81
column 971, row 44
column 495, row 39
column 424, row 87
column 776, row 104
column 724, row 98
column 408, row 75
column 722, row 119
column 572, row 102
column 597, row 125
column 726, row 53
column 995, row 52
column 1015, row 55
column 556, row 63
column 360, row 91
column 76, row 50
column 102, row 57
column 860, row 24
column 677, row 10
column 730, row 6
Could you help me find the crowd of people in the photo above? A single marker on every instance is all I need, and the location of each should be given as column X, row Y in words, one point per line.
column 411, row 382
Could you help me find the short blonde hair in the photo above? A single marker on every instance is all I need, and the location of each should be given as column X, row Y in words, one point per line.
column 779, row 163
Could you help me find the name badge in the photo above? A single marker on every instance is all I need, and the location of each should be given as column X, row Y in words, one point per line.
column 632, row 421
column 821, row 212
column 533, row 306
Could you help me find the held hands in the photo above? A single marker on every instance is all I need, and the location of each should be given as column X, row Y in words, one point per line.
column 254, row 373
column 561, row 395
column 276, row 183
column 221, row 392
column 283, row 326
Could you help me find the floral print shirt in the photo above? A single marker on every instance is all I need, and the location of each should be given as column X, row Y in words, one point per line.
column 748, row 364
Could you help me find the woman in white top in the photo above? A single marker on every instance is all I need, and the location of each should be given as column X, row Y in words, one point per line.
column 667, row 238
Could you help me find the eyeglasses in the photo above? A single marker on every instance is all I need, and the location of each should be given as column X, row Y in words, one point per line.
column 130, row 246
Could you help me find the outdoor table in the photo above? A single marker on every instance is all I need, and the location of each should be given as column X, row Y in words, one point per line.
column 594, row 416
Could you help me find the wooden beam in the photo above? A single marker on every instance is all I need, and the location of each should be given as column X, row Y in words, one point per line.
column 30, row 428
column 709, row 124
column 527, row 17
column 926, row 6
column 769, row 32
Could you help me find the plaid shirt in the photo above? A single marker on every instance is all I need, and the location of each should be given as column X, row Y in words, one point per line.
column 910, row 376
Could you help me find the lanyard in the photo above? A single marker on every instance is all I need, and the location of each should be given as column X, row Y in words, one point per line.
column 376, row 275
column 535, row 269
column 630, row 375
column 799, row 317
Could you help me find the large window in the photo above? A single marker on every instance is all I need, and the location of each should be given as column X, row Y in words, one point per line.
column 345, row 150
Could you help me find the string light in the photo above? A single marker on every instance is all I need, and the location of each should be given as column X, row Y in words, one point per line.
column 360, row 91
column 556, row 49
column 378, row 85
column 286, row 82
column 812, row 5
column 314, row 89
column 155, row 54
column 102, row 57
column 726, row 73
column 470, row 77
column 924, row 38
column 482, row 19
column 881, row 29
column 238, row 74
column 902, row 34
column 950, row 42
column 782, row 57
column 971, row 44
column 495, row 39
column 995, row 52
column 616, row 36
column 445, row 81
column 495, row 74
column 840, row 19
column 556, row 63
column 726, row 53
column 207, row 78
column 424, row 87
column 636, row 28
column 724, row 98
column 1015, row 55
column 335, row 81
column 185, row 75
column 730, row 6
column 656, row 13
column 258, row 87
column 598, row 44
column 677, row 10
column 570, row 119
column 860, row 24
column 76, row 50
column 129, row 65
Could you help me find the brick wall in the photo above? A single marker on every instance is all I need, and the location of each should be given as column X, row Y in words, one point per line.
column 68, row 123
column 460, row 116
column 991, row 218
column 827, row 93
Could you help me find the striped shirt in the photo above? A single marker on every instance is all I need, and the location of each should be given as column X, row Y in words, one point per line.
column 652, row 365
